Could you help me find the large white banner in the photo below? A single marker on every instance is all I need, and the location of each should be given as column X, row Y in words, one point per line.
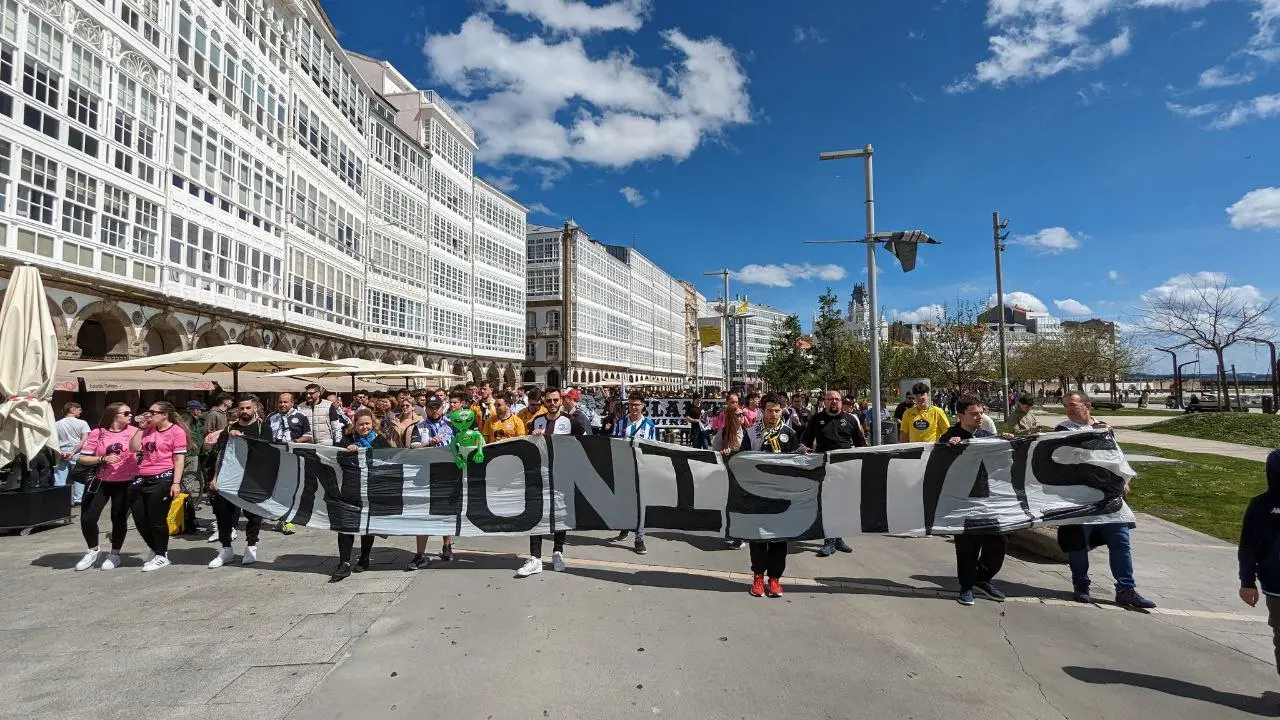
column 536, row 485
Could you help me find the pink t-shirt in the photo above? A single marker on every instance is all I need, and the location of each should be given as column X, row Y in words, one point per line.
column 159, row 447
column 749, row 416
column 103, row 442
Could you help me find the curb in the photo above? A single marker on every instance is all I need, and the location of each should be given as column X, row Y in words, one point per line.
column 1039, row 541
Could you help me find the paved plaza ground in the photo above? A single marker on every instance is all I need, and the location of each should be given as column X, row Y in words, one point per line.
column 671, row 634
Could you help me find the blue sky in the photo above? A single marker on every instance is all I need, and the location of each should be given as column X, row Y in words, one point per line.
column 1113, row 134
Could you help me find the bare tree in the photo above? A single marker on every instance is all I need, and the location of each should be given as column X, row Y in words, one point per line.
column 1204, row 311
column 960, row 349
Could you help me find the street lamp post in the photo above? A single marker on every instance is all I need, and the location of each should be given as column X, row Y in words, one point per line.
column 1177, row 398
column 724, row 326
column 1273, row 369
column 902, row 244
column 996, row 226
column 1181, row 386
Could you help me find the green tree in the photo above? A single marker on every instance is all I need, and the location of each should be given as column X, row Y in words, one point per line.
column 787, row 367
column 831, row 344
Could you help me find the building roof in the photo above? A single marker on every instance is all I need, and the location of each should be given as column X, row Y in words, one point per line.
column 533, row 228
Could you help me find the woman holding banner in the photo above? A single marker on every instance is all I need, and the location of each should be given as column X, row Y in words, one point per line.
column 731, row 438
column 359, row 435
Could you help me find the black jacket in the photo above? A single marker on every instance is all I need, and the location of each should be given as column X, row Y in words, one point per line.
column 827, row 432
column 1259, row 552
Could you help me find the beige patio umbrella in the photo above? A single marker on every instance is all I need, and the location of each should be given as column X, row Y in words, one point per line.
column 221, row 358
column 28, row 363
column 366, row 369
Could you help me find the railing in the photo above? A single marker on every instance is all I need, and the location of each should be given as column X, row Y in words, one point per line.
column 433, row 98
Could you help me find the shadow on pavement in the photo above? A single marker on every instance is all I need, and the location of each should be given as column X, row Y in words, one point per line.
column 1267, row 705
column 1012, row 589
column 691, row 581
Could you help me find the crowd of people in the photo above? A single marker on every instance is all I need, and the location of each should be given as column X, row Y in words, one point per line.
column 140, row 463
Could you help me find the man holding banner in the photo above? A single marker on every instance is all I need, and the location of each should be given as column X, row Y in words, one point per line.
column 833, row 429
column 553, row 422
column 769, row 557
column 635, row 425
column 978, row 557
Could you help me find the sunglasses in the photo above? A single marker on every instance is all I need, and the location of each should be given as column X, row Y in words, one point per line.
column 125, row 413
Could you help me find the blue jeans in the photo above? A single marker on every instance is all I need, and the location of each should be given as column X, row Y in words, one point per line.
column 60, row 474
column 1116, row 536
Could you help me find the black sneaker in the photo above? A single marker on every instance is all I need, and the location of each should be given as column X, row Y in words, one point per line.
column 991, row 591
column 827, row 550
column 340, row 573
column 361, row 565
column 418, row 562
column 640, row 548
column 842, row 546
column 622, row 536
column 1131, row 599
column 736, row 544
column 1080, row 593
column 446, row 553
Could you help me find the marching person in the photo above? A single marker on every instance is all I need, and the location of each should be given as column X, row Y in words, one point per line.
column 978, row 557
column 433, row 431
column 769, row 557
column 193, row 471
column 732, row 437
column 635, row 425
column 1023, row 421
column 248, row 425
column 325, row 419
column 404, row 429
column 923, row 421
column 72, row 432
column 696, row 416
column 573, row 408
column 833, row 429
column 533, row 409
column 503, row 422
column 1078, row 540
column 359, row 435
column 163, row 445
column 553, row 422
column 289, row 424
column 1259, row 553
column 798, row 414
column 107, row 447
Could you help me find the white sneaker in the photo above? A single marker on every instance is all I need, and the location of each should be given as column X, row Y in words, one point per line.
column 156, row 563
column 250, row 555
column 224, row 557
column 147, row 556
column 532, row 567
column 88, row 560
column 557, row 561
column 213, row 532
column 111, row 563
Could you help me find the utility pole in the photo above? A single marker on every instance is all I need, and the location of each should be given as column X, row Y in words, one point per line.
column 997, row 225
column 725, row 329
column 567, row 238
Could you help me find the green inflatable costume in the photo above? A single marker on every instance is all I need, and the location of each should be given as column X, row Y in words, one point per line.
column 467, row 441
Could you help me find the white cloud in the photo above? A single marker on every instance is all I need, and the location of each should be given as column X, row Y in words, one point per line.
column 923, row 314
column 1192, row 110
column 1216, row 77
column 785, row 275
column 1113, row 276
column 807, row 34
column 549, row 100
column 1259, row 108
column 1257, row 210
column 1189, row 286
column 1034, row 39
column 1050, row 241
column 1021, row 299
column 579, row 17
column 633, row 196
column 1072, row 307
column 538, row 208
column 505, row 183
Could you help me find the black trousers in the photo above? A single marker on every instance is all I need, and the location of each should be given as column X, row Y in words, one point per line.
column 225, row 511
column 151, row 510
column 347, row 541
column 95, row 501
column 557, row 543
column 1273, row 619
column 769, row 558
column 978, row 558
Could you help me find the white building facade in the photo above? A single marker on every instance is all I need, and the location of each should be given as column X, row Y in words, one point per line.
column 753, row 329
column 193, row 172
column 617, row 315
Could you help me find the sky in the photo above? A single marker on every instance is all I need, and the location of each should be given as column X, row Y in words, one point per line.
column 1131, row 144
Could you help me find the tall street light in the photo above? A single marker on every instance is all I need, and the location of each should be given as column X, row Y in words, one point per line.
column 1272, row 369
column 902, row 244
column 997, row 225
column 1177, row 385
column 724, row 329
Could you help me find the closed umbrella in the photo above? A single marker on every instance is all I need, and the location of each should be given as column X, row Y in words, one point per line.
column 221, row 358
column 28, row 361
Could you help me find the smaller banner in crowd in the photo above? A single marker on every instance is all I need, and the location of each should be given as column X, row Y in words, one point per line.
column 673, row 412
column 537, row 485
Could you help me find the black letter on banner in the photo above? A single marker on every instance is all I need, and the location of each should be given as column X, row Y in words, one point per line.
column 599, row 452
column 386, row 488
column 312, row 469
column 875, row 483
column 261, row 468
column 684, row 516
column 478, row 511
column 935, row 478
column 444, row 482
column 744, row 502
column 1049, row 472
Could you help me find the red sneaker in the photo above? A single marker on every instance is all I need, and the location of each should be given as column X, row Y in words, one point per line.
column 775, row 588
column 757, row 587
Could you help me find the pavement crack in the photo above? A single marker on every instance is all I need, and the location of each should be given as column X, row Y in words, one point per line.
column 1017, row 656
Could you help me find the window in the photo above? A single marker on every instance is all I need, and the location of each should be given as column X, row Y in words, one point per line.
column 323, row 291
column 497, row 336
column 544, row 249
column 328, row 147
column 35, row 243
column 80, row 197
column 531, row 351
column 44, row 40
column 37, row 187
column 450, row 281
column 399, row 155
column 397, row 260
column 9, row 20
column 77, row 254
column 41, row 121
column 147, row 227
column 553, row 349
column 6, row 156
column 82, row 141
column 144, row 17
column 499, row 214
column 449, row 148
column 450, row 237
column 82, row 106
column 543, row 281
column 114, row 264
column 530, row 321
column 329, row 75
column 86, row 68
column 451, row 194
column 222, row 265
column 395, row 207
column 115, row 216
column 450, row 327
column 40, row 82
column 497, row 295
column 499, row 255
column 396, row 315
column 326, row 218
column 553, row 320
